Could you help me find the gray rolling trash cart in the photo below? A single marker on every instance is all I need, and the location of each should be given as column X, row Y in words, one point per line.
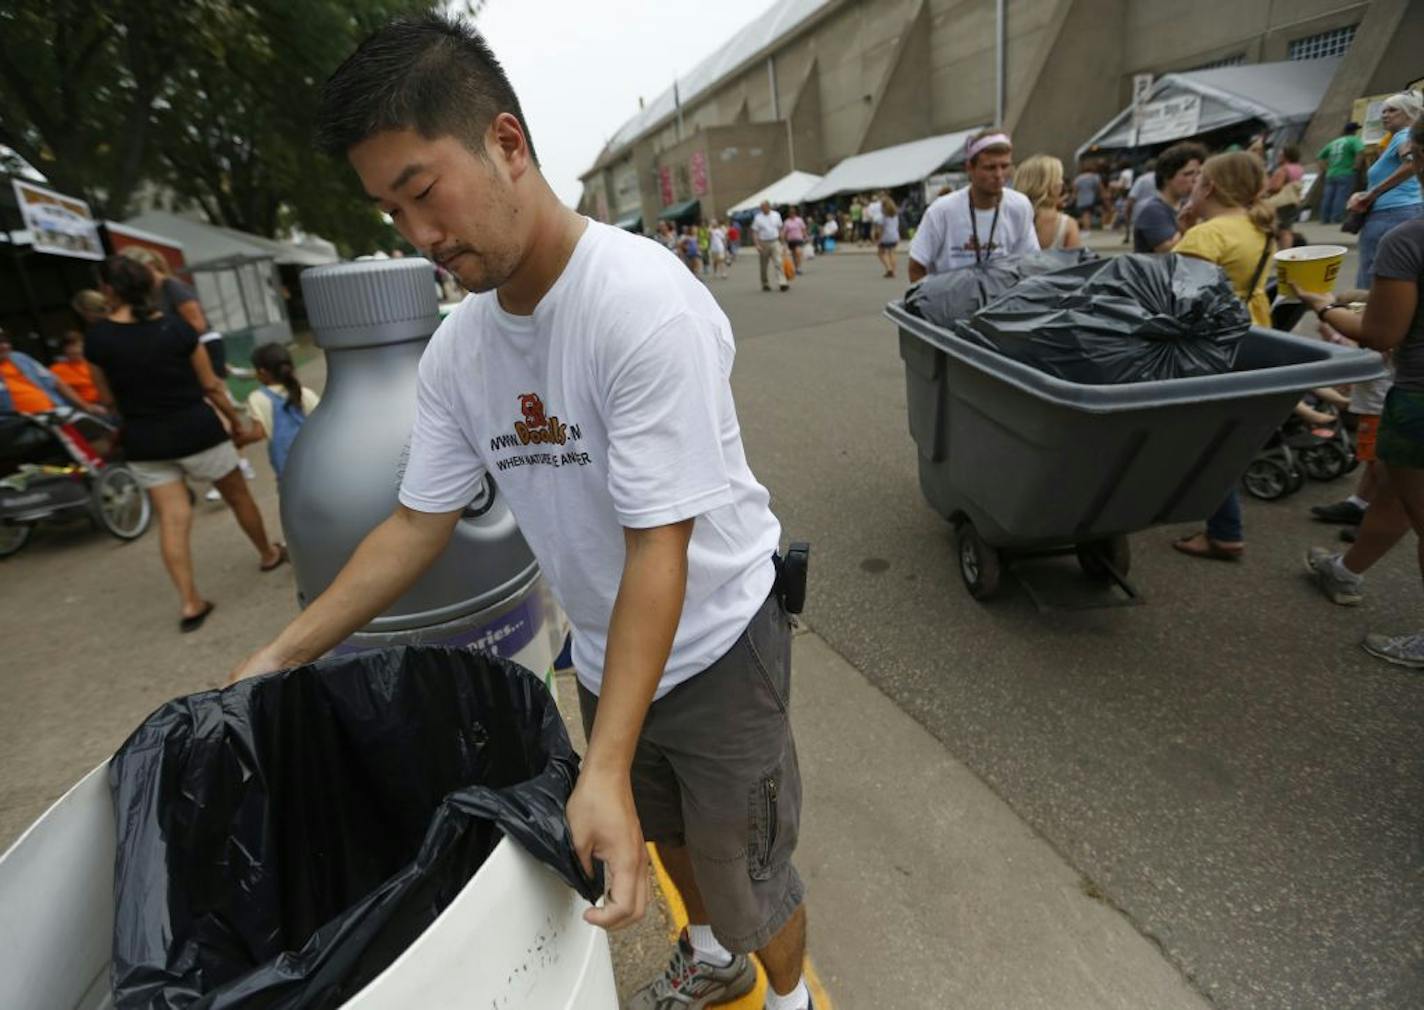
column 1026, row 464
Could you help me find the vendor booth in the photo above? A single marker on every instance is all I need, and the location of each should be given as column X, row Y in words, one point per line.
column 788, row 191
column 893, row 167
column 1221, row 106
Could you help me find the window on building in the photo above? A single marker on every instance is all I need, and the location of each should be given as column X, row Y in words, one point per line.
column 1234, row 60
column 1332, row 43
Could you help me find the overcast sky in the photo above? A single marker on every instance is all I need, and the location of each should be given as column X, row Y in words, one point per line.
column 579, row 67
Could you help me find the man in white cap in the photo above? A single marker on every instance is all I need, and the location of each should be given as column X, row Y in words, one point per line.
column 983, row 221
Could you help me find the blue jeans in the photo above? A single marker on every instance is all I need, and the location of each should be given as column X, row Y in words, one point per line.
column 1225, row 523
column 1332, row 201
column 1377, row 222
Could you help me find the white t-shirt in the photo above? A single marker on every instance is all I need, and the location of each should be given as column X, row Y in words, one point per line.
column 945, row 240
column 830, row 229
column 609, row 407
column 767, row 227
column 875, row 212
column 718, row 241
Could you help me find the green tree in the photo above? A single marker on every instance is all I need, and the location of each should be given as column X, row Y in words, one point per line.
column 212, row 100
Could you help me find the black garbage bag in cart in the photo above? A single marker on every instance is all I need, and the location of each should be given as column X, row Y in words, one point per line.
column 946, row 298
column 1132, row 318
column 282, row 841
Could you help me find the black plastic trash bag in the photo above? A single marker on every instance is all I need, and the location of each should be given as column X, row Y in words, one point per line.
column 949, row 297
column 1132, row 318
column 282, row 841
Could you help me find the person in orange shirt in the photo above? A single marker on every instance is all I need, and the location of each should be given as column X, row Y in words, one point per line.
column 73, row 370
column 27, row 387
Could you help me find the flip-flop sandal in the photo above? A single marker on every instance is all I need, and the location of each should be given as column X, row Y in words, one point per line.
column 1213, row 550
column 195, row 622
column 281, row 560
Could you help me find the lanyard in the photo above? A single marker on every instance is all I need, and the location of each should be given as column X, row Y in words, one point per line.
column 974, row 230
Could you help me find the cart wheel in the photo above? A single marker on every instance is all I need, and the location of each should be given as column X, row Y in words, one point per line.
column 1324, row 462
column 1094, row 556
column 979, row 564
column 1268, row 480
column 119, row 503
column 13, row 537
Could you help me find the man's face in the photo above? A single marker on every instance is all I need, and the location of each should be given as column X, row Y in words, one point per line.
column 1185, row 180
column 989, row 172
column 765, row 207
column 456, row 207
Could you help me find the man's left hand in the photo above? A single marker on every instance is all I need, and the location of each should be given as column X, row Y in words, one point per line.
column 605, row 826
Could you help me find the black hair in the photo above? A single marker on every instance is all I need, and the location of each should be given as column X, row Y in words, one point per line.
column 1175, row 158
column 1352, row 128
column 276, row 360
column 429, row 73
column 132, row 282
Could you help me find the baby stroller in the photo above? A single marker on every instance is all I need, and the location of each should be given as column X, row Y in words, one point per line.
column 1297, row 451
column 55, row 465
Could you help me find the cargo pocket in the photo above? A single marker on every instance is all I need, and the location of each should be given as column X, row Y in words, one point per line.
column 764, row 817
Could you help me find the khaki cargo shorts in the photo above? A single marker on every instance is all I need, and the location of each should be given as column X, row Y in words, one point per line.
column 715, row 770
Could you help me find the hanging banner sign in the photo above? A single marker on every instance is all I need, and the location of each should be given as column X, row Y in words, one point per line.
column 58, row 224
column 1169, row 119
column 699, row 173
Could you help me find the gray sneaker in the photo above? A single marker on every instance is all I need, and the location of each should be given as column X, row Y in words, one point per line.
column 690, row 984
column 1401, row 650
column 1320, row 563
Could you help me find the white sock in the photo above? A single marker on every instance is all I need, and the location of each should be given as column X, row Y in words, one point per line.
column 1358, row 502
column 246, row 467
column 1338, row 563
column 706, row 947
column 797, row 999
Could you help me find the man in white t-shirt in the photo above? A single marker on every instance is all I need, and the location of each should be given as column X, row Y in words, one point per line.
column 590, row 373
column 951, row 235
column 875, row 214
column 766, row 233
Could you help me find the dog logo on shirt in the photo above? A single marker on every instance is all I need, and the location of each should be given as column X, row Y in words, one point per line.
column 537, row 428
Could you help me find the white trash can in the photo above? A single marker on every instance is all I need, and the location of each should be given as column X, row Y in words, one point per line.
column 514, row 937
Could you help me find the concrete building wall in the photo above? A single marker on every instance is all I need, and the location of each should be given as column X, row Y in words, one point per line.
column 864, row 74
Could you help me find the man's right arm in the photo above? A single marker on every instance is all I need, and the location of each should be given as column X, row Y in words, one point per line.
column 385, row 565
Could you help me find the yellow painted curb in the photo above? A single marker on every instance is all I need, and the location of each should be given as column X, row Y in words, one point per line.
column 753, row 1000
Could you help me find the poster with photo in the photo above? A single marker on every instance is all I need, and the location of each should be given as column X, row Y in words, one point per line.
column 58, row 224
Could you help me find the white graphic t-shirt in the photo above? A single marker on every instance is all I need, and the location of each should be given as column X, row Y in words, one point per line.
column 609, row 407
column 945, row 239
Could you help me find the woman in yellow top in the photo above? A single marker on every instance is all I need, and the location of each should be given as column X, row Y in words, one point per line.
column 1227, row 222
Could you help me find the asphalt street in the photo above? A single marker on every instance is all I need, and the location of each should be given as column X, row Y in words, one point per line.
column 1223, row 763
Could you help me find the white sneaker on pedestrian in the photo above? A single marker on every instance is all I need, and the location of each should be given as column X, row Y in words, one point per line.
column 1331, row 576
column 1401, row 650
column 212, row 495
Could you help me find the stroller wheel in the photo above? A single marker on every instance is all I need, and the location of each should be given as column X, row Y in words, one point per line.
column 13, row 537
column 979, row 564
column 119, row 503
column 1269, row 479
column 1325, row 461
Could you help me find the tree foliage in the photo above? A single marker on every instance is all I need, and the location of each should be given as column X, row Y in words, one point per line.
column 211, row 100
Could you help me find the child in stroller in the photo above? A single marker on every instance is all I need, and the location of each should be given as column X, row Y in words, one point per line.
column 56, row 464
column 1313, row 442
